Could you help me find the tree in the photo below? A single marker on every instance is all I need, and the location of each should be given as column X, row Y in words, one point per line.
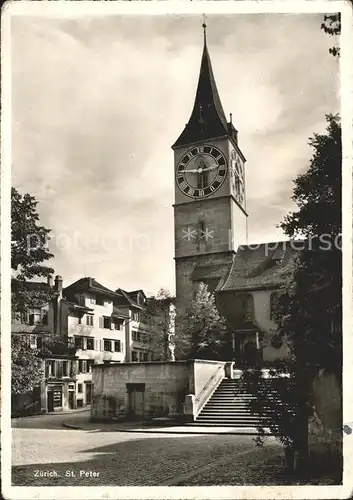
column 309, row 311
column 332, row 26
column 201, row 331
column 27, row 369
column 157, row 316
column 317, row 277
column 28, row 251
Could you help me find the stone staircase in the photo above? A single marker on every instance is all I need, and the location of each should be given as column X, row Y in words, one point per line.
column 229, row 407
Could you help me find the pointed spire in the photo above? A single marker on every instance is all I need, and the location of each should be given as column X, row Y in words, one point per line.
column 207, row 119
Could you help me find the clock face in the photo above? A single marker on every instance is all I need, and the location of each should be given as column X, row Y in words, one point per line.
column 237, row 176
column 201, row 171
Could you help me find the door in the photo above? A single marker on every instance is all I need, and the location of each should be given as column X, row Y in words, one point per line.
column 88, row 393
column 136, row 393
column 71, row 400
column 50, row 400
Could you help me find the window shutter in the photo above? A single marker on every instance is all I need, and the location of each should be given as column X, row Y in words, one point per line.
column 101, row 322
column 121, row 346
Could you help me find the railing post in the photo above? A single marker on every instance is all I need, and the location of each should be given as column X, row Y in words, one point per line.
column 189, row 408
column 229, row 372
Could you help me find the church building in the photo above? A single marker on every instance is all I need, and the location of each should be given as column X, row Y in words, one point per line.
column 210, row 222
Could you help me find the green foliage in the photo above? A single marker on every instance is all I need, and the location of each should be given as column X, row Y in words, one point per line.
column 27, row 370
column 201, row 331
column 28, row 252
column 332, row 26
column 157, row 317
column 309, row 311
column 316, row 277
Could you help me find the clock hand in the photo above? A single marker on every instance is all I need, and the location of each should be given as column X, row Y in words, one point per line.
column 212, row 167
column 189, row 171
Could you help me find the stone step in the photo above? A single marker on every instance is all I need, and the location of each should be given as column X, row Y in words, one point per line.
column 233, row 423
column 231, row 416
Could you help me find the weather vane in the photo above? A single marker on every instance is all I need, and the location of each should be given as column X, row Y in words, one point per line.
column 204, row 25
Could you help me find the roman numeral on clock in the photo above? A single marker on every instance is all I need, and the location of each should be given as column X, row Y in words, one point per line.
column 200, row 149
column 183, row 185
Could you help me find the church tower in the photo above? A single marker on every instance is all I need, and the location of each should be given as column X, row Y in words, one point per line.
column 209, row 209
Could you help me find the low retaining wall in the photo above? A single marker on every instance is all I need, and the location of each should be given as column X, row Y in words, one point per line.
column 165, row 386
column 174, row 389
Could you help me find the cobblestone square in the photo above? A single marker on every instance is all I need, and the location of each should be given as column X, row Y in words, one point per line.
column 54, row 456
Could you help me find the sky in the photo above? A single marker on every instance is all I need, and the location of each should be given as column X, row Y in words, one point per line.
column 98, row 101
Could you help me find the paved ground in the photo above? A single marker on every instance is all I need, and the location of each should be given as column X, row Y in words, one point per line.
column 42, row 448
column 79, row 420
column 46, row 454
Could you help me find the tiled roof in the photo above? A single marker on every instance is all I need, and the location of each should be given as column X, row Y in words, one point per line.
column 211, row 271
column 117, row 313
column 90, row 284
column 260, row 266
column 126, row 299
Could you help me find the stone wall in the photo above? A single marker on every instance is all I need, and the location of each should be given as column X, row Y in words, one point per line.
column 166, row 385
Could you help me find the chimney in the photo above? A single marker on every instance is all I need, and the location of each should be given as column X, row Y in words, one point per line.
column 50, row 281
column 58, row 283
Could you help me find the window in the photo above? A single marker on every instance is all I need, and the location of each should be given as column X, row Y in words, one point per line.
column 134, row 356
column 100, row 301
column 79, row 321
column 137, row 336
column 89, row 319
column 82, row 366
column 50, row 368
column 119, row 324
column 248, row 308
column 273, row 304
column 90, row 363
column 90, row 344
column 35, row 317
column 92, row 299
column 136, row 316
column 144, row 356
column 65, row 368
column 79, row 342
column 117, row 346
column 80, row 388
column 106, row 322
column 45, row 318
column 108, row 345
column 59, row 368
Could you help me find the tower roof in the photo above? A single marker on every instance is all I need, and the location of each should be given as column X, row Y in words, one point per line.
column 207, row 119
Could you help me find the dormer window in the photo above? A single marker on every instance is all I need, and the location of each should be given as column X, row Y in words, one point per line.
column 136, row 316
